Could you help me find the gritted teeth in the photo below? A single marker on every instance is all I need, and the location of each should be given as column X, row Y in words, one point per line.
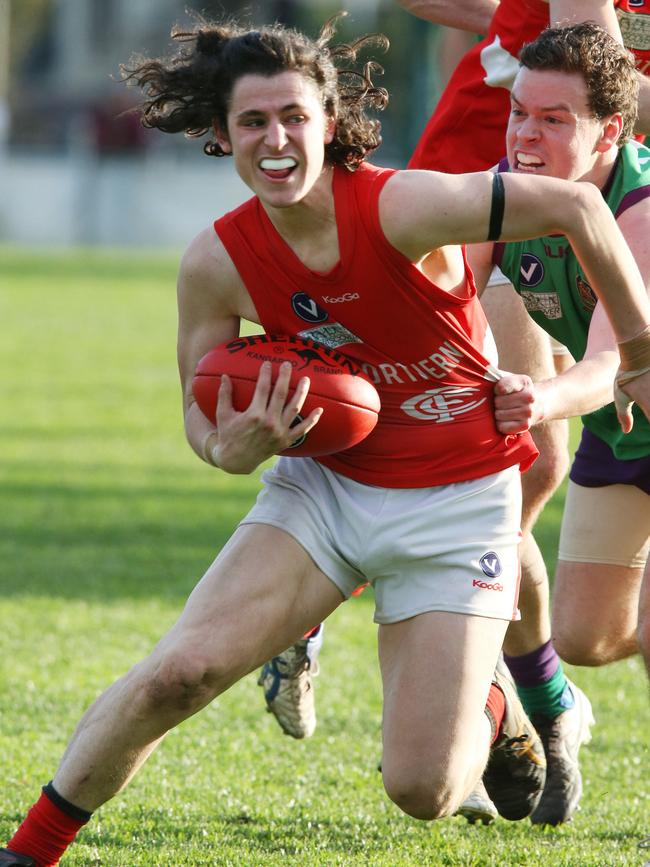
column 528, row 159
column 278, row 164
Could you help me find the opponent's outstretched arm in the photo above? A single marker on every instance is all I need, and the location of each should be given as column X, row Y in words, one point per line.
column 520, row 403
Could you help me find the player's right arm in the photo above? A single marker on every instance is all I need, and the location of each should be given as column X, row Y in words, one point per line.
column 211, row 302
column 471, row 15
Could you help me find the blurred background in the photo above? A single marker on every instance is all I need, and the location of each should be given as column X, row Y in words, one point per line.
column 75, row 169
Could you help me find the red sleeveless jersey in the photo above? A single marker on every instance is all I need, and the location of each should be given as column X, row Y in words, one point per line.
column 466, row 132
column 418, row 344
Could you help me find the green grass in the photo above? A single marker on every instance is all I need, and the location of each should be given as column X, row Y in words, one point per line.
column 106, row 522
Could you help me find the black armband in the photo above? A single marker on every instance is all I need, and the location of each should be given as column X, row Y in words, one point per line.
column 497, row 208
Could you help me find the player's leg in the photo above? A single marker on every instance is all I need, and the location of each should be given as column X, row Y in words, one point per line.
column 644, row 618
column 603, row 553
column 436, row 735
column 595, row 604
column 260, row 594
column 446, row 575
column 528, row 650
column 524, row 348
column 287, row 682
column 440, row 720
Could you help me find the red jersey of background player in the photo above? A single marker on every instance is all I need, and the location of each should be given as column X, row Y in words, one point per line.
column 466, row 132
column 634, row 21
column 420, row 346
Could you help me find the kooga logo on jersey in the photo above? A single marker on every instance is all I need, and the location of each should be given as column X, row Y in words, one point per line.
column 347, row 296
column 442, row 404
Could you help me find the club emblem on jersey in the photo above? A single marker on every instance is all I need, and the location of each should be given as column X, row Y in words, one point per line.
column 442, row 404
column 531, row 270
column 307, row 309
column 490, row 564
column 586, row 293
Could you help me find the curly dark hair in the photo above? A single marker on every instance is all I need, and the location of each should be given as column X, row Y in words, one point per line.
column 607, row 68
column 191, row 91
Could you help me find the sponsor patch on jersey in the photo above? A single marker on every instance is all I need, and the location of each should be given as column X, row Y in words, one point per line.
column 531, row 269
column 442, row 404
column 547, row 303
column 331, row 335
column 635, row 30
column 586, row 293
column 490, row 564
column 306, row 308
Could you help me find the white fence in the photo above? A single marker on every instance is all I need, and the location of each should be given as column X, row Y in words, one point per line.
column 146, row 202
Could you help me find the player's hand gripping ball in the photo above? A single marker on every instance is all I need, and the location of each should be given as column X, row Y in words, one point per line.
column 350, row 402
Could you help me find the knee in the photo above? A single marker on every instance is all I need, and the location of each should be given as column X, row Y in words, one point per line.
column 181, row 682
column 643, row 639
column 421, row 798
column 577, row 649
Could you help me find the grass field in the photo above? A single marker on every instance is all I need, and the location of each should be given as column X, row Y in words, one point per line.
column 107, row 520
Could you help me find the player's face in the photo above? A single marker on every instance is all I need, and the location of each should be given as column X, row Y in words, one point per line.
column 277, row 131
column 551, row 130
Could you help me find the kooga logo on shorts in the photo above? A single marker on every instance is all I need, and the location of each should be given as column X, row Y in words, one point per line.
column 485, row 586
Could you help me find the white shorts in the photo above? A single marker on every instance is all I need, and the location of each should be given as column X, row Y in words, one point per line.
column 444, row 548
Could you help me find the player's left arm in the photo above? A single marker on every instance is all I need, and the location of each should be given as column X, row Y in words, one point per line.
column 420, row 211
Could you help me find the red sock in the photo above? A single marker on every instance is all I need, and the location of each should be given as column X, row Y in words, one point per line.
column 495, row 709
column 312, row 632
column 48, row 830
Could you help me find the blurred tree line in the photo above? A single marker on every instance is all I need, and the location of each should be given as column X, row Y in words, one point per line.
column 64, row 57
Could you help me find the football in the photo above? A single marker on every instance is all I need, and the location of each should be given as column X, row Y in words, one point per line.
column 350, row 401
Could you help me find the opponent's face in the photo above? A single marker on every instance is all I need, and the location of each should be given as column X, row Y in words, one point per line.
column 551, row 130
column 277, row 132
